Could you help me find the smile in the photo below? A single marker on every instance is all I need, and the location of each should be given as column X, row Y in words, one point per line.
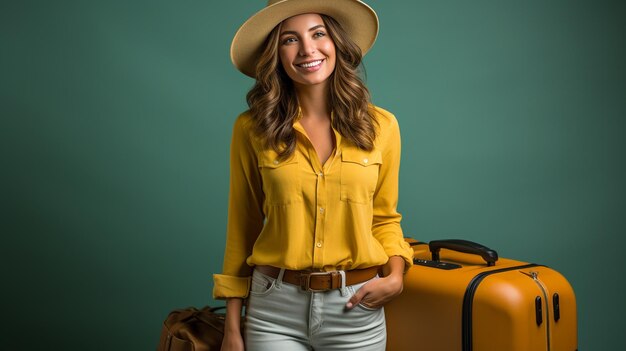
column 310, row 64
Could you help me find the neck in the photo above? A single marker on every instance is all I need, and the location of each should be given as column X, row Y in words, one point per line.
column 313, row 100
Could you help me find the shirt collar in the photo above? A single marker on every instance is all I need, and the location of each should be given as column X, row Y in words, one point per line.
column 298, row 126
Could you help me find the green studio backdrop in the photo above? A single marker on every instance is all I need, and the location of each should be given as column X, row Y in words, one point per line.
column 115, row 128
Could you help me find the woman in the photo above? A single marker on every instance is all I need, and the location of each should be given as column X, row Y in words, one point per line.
column 313, row 240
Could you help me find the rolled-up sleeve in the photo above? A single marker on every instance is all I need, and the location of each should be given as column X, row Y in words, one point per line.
column 386, row 220
column 245, row 213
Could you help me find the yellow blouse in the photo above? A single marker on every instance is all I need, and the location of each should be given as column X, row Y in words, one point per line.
column 299, row 214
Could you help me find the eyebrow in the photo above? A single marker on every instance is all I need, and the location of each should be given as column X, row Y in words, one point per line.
column 310, row 30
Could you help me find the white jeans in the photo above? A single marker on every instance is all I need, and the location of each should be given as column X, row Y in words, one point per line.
column 280, row 316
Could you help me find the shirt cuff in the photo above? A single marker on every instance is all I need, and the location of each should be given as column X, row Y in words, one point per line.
column 227, row 286
column 402, row 249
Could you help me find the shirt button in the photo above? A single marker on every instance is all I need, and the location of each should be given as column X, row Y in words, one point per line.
column 320, row 174
column 321, row 209
column 275, row 162
column 365, row 160
column 319, row 244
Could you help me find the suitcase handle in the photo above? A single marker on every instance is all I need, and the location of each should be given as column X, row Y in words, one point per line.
column 490, row 256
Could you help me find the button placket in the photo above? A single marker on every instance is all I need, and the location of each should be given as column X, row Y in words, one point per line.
column 320, row 200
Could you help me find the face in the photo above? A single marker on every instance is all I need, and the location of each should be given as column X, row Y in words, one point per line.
column 306, row 51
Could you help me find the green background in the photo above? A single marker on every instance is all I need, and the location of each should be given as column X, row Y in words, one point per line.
column 115, row 128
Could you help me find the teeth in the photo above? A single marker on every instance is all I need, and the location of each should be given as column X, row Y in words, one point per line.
column 310, row 64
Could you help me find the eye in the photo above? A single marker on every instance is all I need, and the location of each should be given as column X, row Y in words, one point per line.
column 289, row 40
column 319, row 34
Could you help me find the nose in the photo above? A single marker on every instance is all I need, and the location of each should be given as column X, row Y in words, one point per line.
column 307, row 47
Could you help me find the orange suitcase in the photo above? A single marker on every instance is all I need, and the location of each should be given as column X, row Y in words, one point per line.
column 469, row 300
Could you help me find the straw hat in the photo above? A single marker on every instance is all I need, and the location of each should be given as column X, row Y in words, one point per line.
column 357, row 19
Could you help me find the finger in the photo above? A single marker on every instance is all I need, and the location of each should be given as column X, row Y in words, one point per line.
column 356, row 298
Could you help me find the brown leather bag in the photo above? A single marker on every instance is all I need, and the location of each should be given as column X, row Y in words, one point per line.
column 191, row 329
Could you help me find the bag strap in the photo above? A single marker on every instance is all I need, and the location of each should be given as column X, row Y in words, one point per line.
column 184, row 315
column 192, row 312
column 210, row 310
column 213, row 309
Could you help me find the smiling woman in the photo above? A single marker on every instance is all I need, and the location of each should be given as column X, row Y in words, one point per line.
column 307, row 56
column 313, row 229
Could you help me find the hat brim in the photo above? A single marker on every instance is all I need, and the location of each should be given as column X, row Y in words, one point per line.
column 357, row 19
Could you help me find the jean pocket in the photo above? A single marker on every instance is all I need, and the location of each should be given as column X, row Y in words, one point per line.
column 261, row 284
column 369, row 309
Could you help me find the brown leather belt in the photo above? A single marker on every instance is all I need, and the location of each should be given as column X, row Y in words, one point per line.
column 320, row 281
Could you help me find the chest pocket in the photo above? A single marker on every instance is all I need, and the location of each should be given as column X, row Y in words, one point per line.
column 281, row 181
column 359, row 174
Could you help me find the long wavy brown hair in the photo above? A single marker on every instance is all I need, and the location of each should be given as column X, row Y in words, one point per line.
column 274, row 105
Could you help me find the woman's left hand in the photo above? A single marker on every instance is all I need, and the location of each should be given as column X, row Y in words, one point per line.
column 378, row 292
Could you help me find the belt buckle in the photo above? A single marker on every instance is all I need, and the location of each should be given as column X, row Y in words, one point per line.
column 305, row 281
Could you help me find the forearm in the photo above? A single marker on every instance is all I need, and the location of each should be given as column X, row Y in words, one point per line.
column 394, row 267
column 233, row 315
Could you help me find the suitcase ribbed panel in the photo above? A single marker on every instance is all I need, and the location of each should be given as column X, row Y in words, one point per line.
column 468, row 300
